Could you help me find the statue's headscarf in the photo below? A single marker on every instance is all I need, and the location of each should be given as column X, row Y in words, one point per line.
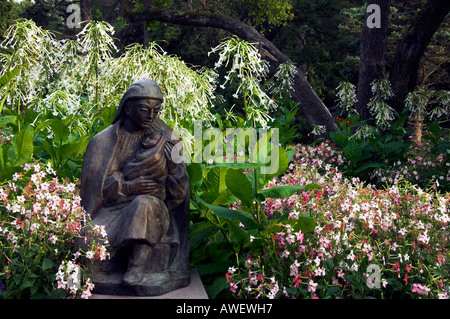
column 145, row 89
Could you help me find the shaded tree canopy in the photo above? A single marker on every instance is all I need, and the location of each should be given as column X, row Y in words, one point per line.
column 328, row 41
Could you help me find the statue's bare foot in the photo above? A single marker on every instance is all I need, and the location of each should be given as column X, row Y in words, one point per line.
column 137, row 262
column 133, row 276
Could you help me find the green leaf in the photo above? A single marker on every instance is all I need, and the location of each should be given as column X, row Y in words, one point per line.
column 277, row 162
column 195, row 173
column 23, row 144
column 47, row 264
column 241, row 235
column 8, row 76
column 244, row 217
column 436, row 130
column 202, row 233
column 239, row 185
column 290, row 154
column 285, row 191
column 224, row 198
column 61, row 131
column 74, row 148
column 27, row 283
column 216, row 179
column 219, row 284
column 368, row 166
column 7, row 119
column 305, row 224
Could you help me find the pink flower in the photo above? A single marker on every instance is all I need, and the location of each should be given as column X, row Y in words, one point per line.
column 312, row 286
column 300, row 236
column 294, row 268
column 421, row 290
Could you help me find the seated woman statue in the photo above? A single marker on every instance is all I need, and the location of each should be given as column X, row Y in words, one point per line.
column 130, row 185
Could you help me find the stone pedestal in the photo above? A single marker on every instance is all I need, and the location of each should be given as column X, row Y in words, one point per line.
column 194, row 290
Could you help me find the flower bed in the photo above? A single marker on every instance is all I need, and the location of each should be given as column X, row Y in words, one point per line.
column 384, row 243
column 41, row 220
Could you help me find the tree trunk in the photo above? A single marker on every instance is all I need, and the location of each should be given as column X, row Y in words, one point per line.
column 311, row 105
column 373, row 39
column 404, row 71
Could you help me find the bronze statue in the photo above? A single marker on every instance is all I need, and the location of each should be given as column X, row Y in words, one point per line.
column 130, row 184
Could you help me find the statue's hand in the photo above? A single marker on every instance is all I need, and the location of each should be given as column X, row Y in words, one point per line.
column 139, row 186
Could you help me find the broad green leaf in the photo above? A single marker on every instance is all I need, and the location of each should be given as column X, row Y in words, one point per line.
column 368, row 166
column 277, row 164
column 61, row 131
column 7, row 119
column 216, row 179
column 241, row 235
column 27, row 283
column 285, row 191
column 290, row 154
column 213, row 268
column 73, row 148
column 47, row 264
column 219, row 284
column 195, row 173
column 50, row 149
column 239, row 185
column 30, row 116
column 23, row 143
column 246, row 218
column 201, row 234
column 224, row 198
column 108, row 113
column 8, row 76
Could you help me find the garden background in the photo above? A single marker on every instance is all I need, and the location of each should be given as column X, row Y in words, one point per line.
column 364, row 163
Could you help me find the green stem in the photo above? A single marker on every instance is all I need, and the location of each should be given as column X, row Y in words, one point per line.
column 245, row 105
column 256, row 195
column 225, row 235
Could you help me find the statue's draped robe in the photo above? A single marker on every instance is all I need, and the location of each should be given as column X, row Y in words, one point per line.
column 115, row 156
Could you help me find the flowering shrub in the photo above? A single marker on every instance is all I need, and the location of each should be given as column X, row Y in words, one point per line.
column 427, row 164
column 423, row 170
column 41, row 223
column 400, row 230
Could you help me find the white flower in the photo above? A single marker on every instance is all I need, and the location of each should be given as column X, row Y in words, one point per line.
column 90, row 254
column 351, row 256
column 53, row 239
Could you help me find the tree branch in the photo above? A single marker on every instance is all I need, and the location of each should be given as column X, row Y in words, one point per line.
column 410, row 50
column 311, row 105
column 214, row 20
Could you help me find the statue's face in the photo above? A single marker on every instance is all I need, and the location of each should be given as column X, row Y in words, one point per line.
column 142, row 112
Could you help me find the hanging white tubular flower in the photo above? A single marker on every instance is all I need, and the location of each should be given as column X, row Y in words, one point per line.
column 378, row 107
column 247, row 68
column 417, row 102
column 285, row 78
column 244, row 57
column 364, row 132
column 443, row 109
column 318, row 129
column 346, row 95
